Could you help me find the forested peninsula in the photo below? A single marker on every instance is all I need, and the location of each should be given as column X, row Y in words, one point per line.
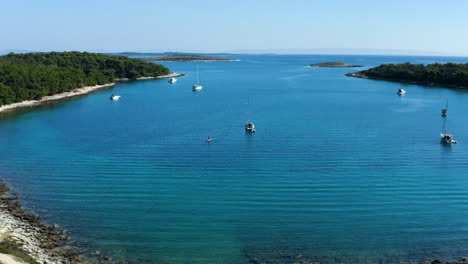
column 32, row 76
column 447, row 75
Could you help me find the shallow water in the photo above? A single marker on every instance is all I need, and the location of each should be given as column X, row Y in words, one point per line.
column 340, row 170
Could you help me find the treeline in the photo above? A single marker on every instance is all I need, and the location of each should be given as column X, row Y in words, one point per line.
column 449, row 74
column 31, row 76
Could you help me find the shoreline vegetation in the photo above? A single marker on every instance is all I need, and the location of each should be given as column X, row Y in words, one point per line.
column 33, row 78
column 186, row 58
column 334, row 65
column 76, row 92
column 448, row 75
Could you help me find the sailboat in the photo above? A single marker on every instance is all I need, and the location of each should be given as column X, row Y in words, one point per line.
column 197, row 87
column 444, row 111
column 249, row 126
column 445, row 137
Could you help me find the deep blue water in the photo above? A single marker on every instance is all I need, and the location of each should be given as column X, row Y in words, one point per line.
column 340, row 170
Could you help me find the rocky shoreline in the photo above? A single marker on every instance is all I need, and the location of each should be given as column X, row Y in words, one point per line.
column 45, row 244
column 460, row 261
column 76, row 92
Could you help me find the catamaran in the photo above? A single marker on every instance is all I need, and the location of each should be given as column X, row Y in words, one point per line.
column 197, row 87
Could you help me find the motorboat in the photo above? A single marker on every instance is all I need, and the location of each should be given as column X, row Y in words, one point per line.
column 115, row 97
column 172, row 80
column 401, row 91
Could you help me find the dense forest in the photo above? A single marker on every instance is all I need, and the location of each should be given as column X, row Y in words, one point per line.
column 31, row 76
column 449, row 74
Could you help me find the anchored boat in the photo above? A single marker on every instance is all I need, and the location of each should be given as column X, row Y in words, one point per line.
column 401, row 91
column 115, row 97
column 445, row 137
column 197, row 87
column 249, row 127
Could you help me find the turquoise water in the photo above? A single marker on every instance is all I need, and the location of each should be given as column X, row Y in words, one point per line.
column 341, row 170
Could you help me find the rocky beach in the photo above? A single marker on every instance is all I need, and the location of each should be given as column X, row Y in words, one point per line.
column 23, row 232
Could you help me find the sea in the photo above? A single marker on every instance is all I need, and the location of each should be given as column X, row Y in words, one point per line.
column 339, row 170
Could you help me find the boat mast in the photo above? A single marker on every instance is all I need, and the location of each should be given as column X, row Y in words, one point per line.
column 248, row 113
column 444, row 128
column 198, row 76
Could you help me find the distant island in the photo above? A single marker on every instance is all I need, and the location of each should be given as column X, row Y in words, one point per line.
column 32, row 77
column 447, row 75
column 187, row 57
column 333, row 64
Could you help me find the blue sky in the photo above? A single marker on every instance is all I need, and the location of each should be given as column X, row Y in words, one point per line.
column 225, row 26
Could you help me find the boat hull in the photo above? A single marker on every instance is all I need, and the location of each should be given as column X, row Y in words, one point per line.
column 447, row 139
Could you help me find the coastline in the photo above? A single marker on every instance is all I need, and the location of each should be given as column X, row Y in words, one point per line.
column 192, row 60
column 76, row 92
column 25, row 233
column 363, row 76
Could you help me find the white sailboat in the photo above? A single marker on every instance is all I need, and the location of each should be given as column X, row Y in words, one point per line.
column 401, row 91
column 445, row 137
column 249, row 126
column 172, row 80
column 197, row 87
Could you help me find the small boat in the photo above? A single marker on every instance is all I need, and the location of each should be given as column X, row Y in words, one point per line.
column 172, row 80
column 197, row 87
column 401, row 91
column 209, row 139
column 115, row 97
column 444, row 111
column 445, row 137
column 249, row 127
